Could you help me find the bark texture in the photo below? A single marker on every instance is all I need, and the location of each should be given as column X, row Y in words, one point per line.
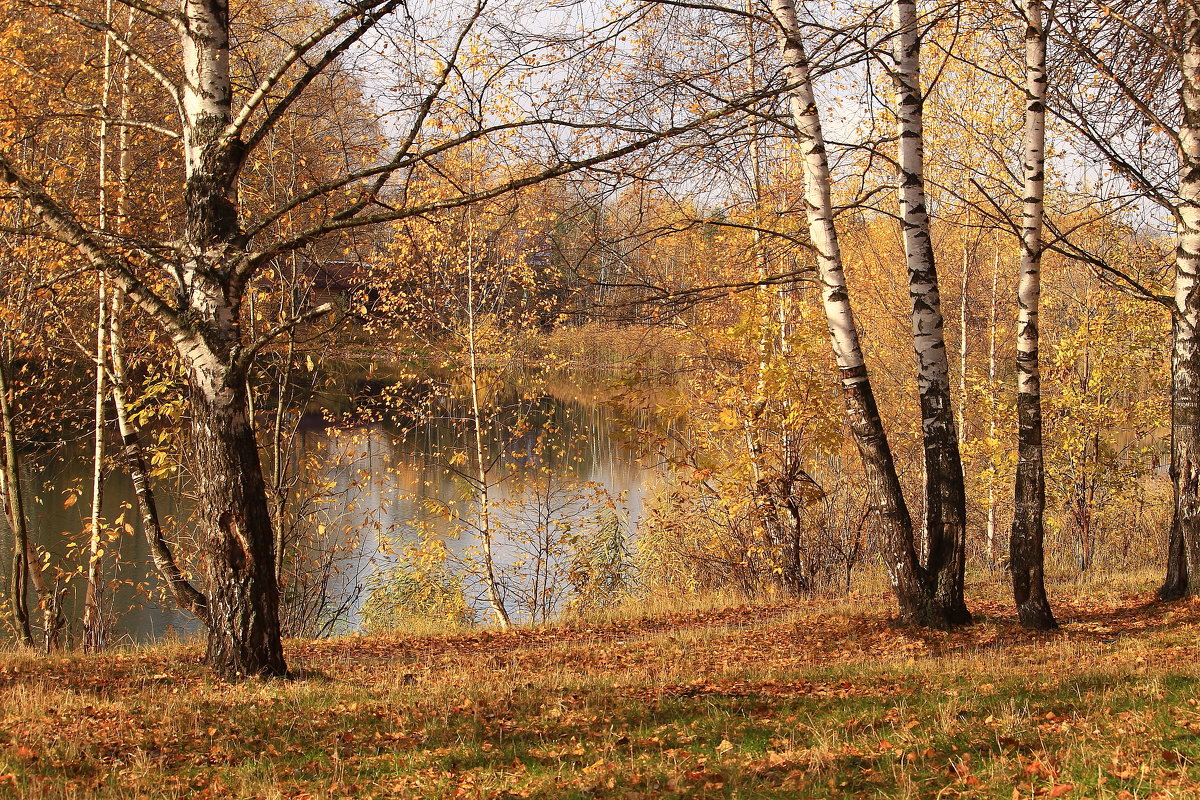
column 1185, row 356
column 238, row 542
column 237, row 538
column 915, row 592
column 944, row 531
column 1026, row 555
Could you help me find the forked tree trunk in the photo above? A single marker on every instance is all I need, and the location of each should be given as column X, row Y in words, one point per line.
column 944, row 531
column 918, row 604
column 1185, row 356
column 236, row 534
column 1026, row 556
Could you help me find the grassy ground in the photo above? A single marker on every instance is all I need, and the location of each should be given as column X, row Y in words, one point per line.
column 811, row 700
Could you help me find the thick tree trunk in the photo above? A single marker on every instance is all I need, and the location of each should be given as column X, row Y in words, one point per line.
column 238, row 543
column 1185, row 357
column 944, row 531
column 237, row 540
column 915, row 597
column 1026, row 556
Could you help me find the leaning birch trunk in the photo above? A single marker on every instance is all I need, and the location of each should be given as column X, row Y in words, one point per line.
column 186, row 596
column 914, row 595
column 1185, row 357
column 1026, row 557
column 944, row 531
column 237, row 541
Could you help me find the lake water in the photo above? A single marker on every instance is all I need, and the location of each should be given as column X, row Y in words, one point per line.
column 366, row 489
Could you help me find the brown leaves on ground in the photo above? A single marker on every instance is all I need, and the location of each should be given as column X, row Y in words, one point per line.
column 806, row 699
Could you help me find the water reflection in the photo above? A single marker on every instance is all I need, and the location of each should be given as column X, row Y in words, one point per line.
column 366, row 486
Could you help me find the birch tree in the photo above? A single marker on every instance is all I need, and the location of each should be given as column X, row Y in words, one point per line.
column 217, row 249
column 944, row 528
column 1185, row 357
column 1026, row 546
column 1147, row 57
column 920, row 602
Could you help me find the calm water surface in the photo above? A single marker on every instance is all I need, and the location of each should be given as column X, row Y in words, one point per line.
column 367, row 484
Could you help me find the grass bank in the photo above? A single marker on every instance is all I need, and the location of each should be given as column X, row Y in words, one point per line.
column 807, row 700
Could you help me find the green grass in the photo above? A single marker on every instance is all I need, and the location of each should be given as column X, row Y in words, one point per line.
column 779, row 701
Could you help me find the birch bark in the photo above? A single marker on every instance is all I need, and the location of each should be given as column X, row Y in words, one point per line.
column 1185, row 357
column 1026, row 542
column 93, row 617
column 237, row 539
column 993, row 410
column 944, row 529
column 910, row 582
column 481, row 455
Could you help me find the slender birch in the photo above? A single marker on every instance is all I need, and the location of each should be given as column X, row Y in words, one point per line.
column 1026, row 557
column 944, row 530
column 481, row 456
column 765, row 513
column 910, row 582
column 14, row 506
column 185, row 594
column 963, row 293
column 93, row 616
column 993, row 410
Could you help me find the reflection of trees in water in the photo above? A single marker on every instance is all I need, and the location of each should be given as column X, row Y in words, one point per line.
column 556, row 463
column 359, row 487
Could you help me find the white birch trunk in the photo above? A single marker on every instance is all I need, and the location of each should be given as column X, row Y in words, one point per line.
column 93, row 617
column 993, row 410
column 237, row 541
column 913, row 589
column 944, row 531
column 1185, row 366
column 1026, row 544
column 481, row 455
column 964, row 293
column 765, row 514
